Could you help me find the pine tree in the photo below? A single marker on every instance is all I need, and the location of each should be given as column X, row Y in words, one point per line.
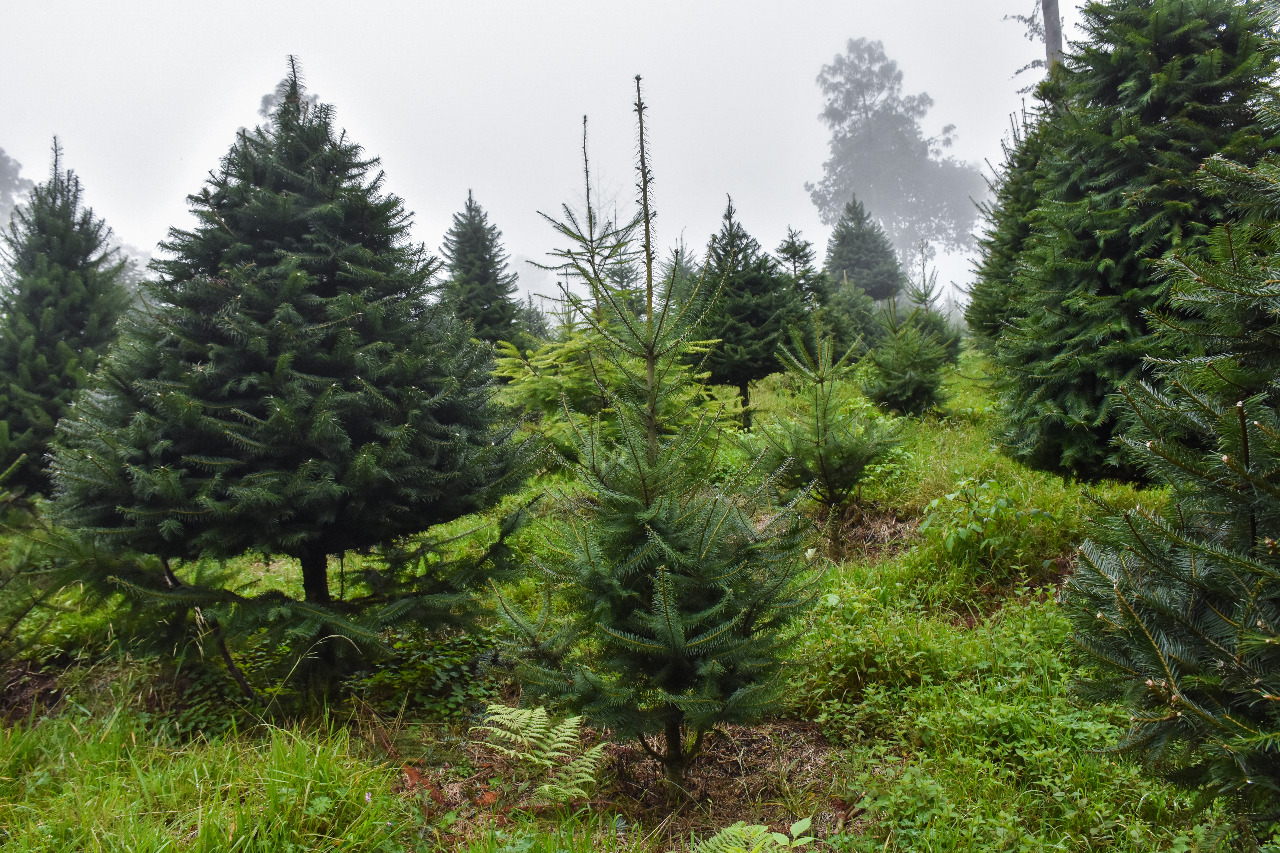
column 1157, row 87
column 859, row 253
column 677, row 601
column 480, row 287
column 1179, row 604
column 288, row 387
column 754, row 312
column 63, row 294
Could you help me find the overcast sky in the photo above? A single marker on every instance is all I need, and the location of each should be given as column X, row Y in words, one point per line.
column 146, row 97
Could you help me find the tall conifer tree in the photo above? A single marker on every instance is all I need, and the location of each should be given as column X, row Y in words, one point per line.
column 63, row 292
column 678, row 592
column 1157, row 87
column 480, row 287
column 288, row 387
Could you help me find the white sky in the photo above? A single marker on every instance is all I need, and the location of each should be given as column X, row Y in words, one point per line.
column 146, row 96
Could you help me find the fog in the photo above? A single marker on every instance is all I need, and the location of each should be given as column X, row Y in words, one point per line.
column 146, row 97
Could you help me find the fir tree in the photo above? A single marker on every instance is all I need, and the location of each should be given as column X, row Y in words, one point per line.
column 288, row 388
column 923, row 296
column 853, row 319
column 1157, row 87
column 827, row 434
column 753, row 313
column 905, row 375
column 678, row 601
column 532, row 322
column 1179, row 605
column 63, row 294
column 859, row 253
column 480, row 287
column 796, row 255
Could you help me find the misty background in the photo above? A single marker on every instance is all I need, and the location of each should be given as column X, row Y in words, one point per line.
column 146, row 97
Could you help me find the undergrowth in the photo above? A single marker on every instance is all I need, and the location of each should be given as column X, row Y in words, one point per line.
column 936, row 672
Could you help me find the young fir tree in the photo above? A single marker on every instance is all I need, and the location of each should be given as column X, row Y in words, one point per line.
column 1157, row 87
column 288, row 387
column 827, row 434
column 480, row 287
column 905, row 375
column 678, row 590
column 859, row 253
column 63, row 293
column 1179, row 604
column 924, row 297
column 755, row 309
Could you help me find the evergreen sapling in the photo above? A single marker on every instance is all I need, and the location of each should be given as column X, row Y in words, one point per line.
column 678, row 590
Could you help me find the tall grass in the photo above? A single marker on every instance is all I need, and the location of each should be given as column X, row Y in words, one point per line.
column 98, row 785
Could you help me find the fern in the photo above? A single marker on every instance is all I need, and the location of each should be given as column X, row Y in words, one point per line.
column 546, row 750
column 748, row 838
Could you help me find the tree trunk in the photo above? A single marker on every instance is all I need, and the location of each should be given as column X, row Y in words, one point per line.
column 315, row 576
column 745, row 390
column 674, row 760
column 1052, row 33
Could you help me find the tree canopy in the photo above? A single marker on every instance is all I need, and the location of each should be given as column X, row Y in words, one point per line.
column 880, row 153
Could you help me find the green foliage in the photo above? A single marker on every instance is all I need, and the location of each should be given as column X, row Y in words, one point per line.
column 966, row 738
column 479, row 287
column 557, row 386
column 828, row 437
column 438, row 676
column 752, row 313
column 905, row 375
column 1154, row 89
column 549, row 753
column 852, row 317
column 860, row 255
column 287, row 389
column 112, row 785
column 744, row 838
column 677, row 590
column 1180, row 606
column 63, row 292
column 991, row 535
column 1007, row 229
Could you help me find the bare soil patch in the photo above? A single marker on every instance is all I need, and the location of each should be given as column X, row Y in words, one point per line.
column 772, row 774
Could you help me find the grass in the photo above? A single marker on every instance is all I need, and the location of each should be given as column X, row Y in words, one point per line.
column 114, row 784
column 930, row 708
